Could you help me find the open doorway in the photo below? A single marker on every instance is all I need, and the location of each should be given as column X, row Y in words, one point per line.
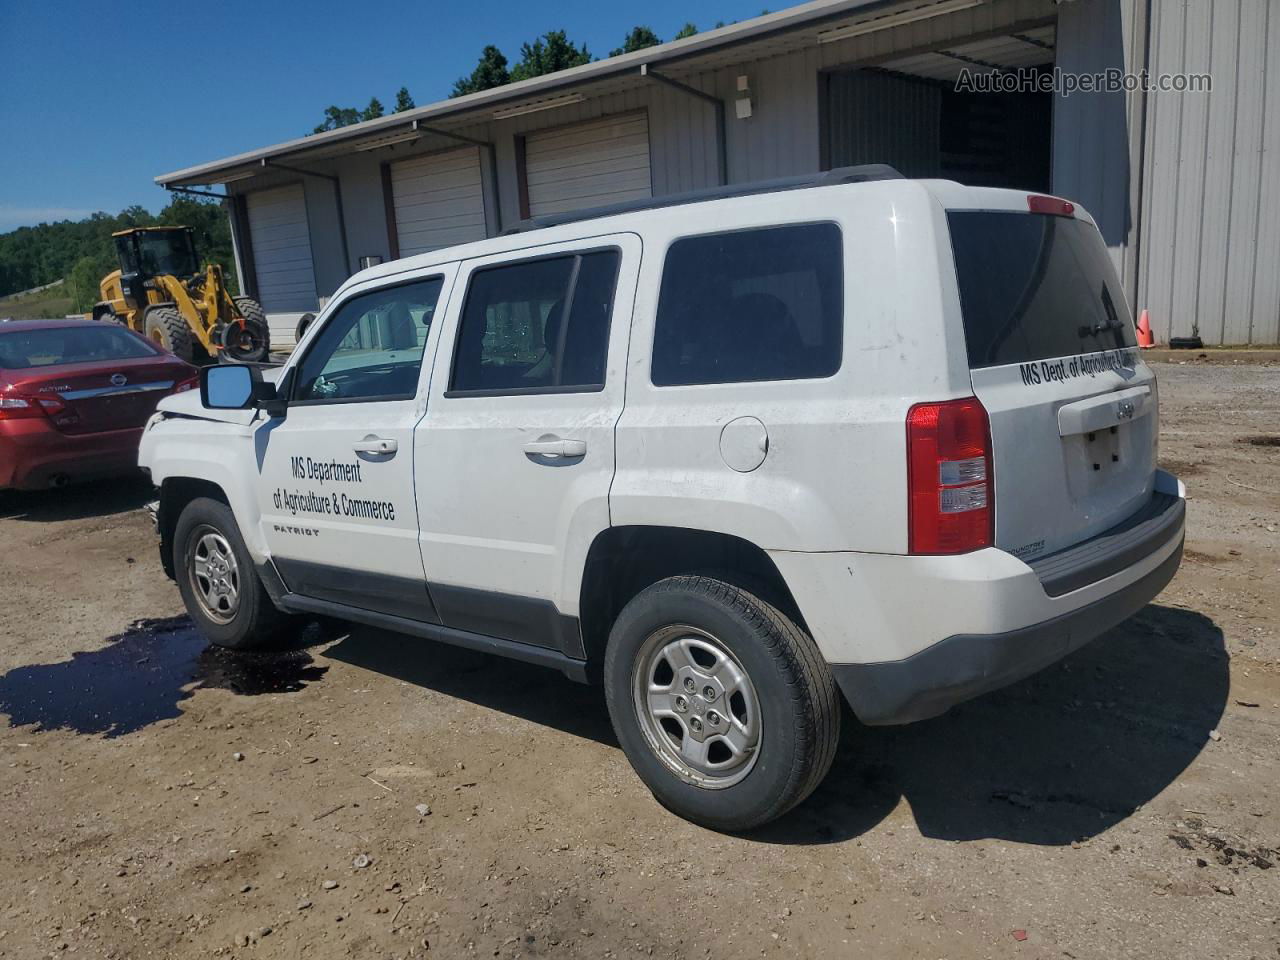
column 908, row 113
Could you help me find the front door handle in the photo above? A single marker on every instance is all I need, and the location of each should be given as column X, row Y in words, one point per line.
column 555, row 447
column 376, row 445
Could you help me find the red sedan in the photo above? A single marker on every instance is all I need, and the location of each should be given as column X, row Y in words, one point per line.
column 74, row 397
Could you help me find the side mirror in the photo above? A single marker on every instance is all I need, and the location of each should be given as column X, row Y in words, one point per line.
column 237, row 387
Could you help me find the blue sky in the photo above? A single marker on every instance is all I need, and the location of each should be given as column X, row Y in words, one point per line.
column 96, row 98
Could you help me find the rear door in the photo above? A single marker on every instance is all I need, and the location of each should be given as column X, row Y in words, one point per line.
column 516, row 453
column 1053, row 358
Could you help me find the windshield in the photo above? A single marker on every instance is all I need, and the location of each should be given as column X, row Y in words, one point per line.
column 166, row 252
column 1034, row 287
column 24, row 349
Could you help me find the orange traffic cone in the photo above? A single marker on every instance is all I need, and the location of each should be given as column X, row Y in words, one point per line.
column 1145, row 339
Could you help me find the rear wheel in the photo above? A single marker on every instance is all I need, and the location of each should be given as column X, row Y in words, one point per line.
column 723, row 705
column 252, row 342
column 166, row 328
column 219, row 585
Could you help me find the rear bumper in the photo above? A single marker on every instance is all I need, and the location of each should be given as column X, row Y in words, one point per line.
column 963, row 666
column 907, row 637
column 34, row 454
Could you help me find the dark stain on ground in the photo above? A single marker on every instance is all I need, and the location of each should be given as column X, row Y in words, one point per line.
column 1261, row 440
column 142, row 675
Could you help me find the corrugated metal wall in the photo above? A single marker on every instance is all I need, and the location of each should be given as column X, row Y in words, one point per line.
column 1209, row 254
column 879, row 118
column 1097, row 143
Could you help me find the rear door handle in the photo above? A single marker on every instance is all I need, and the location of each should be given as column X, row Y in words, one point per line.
column 555, row 447
column 376, row 445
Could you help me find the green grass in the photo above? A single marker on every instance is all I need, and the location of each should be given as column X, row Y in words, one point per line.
column 54, row 302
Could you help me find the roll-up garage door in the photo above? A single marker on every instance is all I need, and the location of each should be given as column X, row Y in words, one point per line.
column 439, row 200
column 588, row 164
column 281, row 243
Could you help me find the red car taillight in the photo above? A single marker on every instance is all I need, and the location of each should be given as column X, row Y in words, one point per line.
column 184, row 385
column 951, row 492
column 15, row 406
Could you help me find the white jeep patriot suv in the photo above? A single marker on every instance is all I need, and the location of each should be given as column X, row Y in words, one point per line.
column 731, row 454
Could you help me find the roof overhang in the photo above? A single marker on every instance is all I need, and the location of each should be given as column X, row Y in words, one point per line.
column 768, row 35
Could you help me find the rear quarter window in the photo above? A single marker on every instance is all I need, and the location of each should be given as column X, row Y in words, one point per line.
column 751, row 305
column 1035, row 287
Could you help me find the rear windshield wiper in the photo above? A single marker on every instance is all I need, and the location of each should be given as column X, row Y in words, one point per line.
column 1097, row 328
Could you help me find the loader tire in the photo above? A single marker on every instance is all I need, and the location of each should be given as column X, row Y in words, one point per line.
column 255, row 345
column 165, row 327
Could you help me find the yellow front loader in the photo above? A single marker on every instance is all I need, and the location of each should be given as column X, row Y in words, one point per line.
column 161, row 292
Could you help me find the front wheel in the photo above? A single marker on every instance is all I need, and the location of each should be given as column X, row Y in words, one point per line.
column 219, row 585
column 166, row 328
column 723, row 705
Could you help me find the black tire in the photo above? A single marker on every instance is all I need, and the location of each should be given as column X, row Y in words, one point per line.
column 256, row 345
column 304, row 324
column 255, row 623
column 165, row 327
column 797, row 698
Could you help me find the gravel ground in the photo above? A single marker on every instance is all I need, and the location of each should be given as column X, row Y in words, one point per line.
column 163, row 799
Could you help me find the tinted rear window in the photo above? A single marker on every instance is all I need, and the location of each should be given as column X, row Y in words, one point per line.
column 1034, row 287
column 23, row 349
column 752, row 305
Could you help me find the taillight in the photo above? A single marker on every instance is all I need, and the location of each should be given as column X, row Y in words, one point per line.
column 951, row 492
column 184, row 385
column 15, row 406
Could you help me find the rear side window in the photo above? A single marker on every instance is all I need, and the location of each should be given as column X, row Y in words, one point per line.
column 538, row 325
column 24, row 349
column 751, row 305
column 1035, row 287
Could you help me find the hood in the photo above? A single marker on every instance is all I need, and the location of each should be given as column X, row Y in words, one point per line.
column 188, row 405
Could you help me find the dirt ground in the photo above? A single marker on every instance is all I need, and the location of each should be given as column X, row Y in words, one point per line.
column 162, row 799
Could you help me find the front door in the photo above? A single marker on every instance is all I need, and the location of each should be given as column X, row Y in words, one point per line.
column 515, row 455
column 336, row 495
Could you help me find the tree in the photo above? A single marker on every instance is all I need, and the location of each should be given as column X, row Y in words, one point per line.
column 490, row 72
column 403, row 100
column 637, row 39
column 688, row 30
column 83, row 281
column 335, row 117
column 373, row 111
column 550, row 53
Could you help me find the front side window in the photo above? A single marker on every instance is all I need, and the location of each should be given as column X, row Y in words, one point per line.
column 764, row 304
column 371, row 348
column 537, row 325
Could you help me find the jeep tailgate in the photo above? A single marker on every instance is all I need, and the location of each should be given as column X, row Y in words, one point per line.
column 1053, row 359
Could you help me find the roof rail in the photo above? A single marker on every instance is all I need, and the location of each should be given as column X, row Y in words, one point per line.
column 827, row 178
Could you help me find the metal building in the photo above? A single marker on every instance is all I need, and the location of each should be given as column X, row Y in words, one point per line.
column 1185, row 184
